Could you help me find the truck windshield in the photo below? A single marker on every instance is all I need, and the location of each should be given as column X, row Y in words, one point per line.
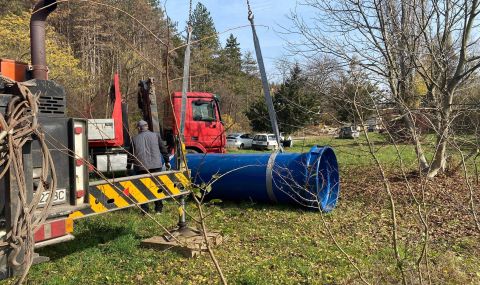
column 203, row 111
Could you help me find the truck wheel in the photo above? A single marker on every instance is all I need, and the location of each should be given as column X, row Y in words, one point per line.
column 191, row 150
column 242, row 146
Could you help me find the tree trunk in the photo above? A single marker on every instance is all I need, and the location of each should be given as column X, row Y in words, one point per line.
column 415, row 137
column 420, row 154
column 439, row 162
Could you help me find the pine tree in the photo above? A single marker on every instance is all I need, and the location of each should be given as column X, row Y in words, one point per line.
column 291, row 102
column 294, row 104
column 204, row 27
column 249, row 65
column 205, row 49
column 232, row 56
column 257, row 114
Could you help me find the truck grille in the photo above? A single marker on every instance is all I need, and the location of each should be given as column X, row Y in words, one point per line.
column 52, row 105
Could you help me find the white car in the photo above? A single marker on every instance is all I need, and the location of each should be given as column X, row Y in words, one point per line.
column 240, row 141
column 264, row 141
column 348, row 133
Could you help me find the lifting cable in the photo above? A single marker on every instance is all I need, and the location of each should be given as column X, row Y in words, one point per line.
column 186, row 74
column 266, row 88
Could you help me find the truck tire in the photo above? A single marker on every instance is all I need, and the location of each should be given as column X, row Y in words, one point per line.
column 242, row 146
column 192, row 150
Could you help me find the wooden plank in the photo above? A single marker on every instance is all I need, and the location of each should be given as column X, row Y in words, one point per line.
column 187, row 246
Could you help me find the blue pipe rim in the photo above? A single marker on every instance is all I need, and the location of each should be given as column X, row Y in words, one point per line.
column 327, row 185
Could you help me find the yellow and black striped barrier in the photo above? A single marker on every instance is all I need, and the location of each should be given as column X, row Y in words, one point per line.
column 115, row 194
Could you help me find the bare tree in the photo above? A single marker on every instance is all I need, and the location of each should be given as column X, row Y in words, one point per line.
column 449, row 58
column 396, row 42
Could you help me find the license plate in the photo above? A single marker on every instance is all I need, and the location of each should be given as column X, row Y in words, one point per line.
column 60, row 196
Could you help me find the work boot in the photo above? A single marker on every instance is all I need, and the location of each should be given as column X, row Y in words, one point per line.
column 158, row 206
column 145, row 208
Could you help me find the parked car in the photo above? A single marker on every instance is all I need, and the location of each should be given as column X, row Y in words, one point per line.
column 231, row 139
column 239, row 140
column 371, row 128
column 287, row 142
column 373, row 124
column 348, row 133
column 264, row 141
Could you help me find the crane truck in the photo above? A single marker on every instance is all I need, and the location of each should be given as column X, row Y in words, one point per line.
column 109, row 140
column 75, row 144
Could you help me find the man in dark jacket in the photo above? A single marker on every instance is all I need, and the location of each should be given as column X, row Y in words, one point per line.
column 148, row 150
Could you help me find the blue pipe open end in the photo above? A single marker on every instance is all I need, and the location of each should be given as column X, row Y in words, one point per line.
column 327, row 179
column 309, row 179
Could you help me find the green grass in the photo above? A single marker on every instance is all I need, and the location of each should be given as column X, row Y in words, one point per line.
column 263, row 245
column 266, row 244
column 353, row 153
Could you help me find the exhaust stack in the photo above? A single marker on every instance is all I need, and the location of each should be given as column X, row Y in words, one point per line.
column 42, row 9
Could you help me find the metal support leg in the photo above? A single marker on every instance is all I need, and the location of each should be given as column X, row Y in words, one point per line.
column 182, row 230
column 188, row 241
column 182, row 221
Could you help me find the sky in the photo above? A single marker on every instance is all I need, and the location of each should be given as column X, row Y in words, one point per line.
column 228, row 14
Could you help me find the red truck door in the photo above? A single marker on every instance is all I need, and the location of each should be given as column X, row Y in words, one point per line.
column 204, row 125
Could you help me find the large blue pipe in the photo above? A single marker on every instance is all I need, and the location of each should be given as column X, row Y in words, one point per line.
column 308, row 179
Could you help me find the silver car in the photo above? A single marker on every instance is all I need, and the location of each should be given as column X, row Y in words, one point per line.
column 239, row 140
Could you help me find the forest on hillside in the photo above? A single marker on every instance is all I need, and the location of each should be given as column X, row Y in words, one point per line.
column 90, row 41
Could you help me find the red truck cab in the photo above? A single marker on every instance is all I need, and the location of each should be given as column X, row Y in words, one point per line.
column 204, row 130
